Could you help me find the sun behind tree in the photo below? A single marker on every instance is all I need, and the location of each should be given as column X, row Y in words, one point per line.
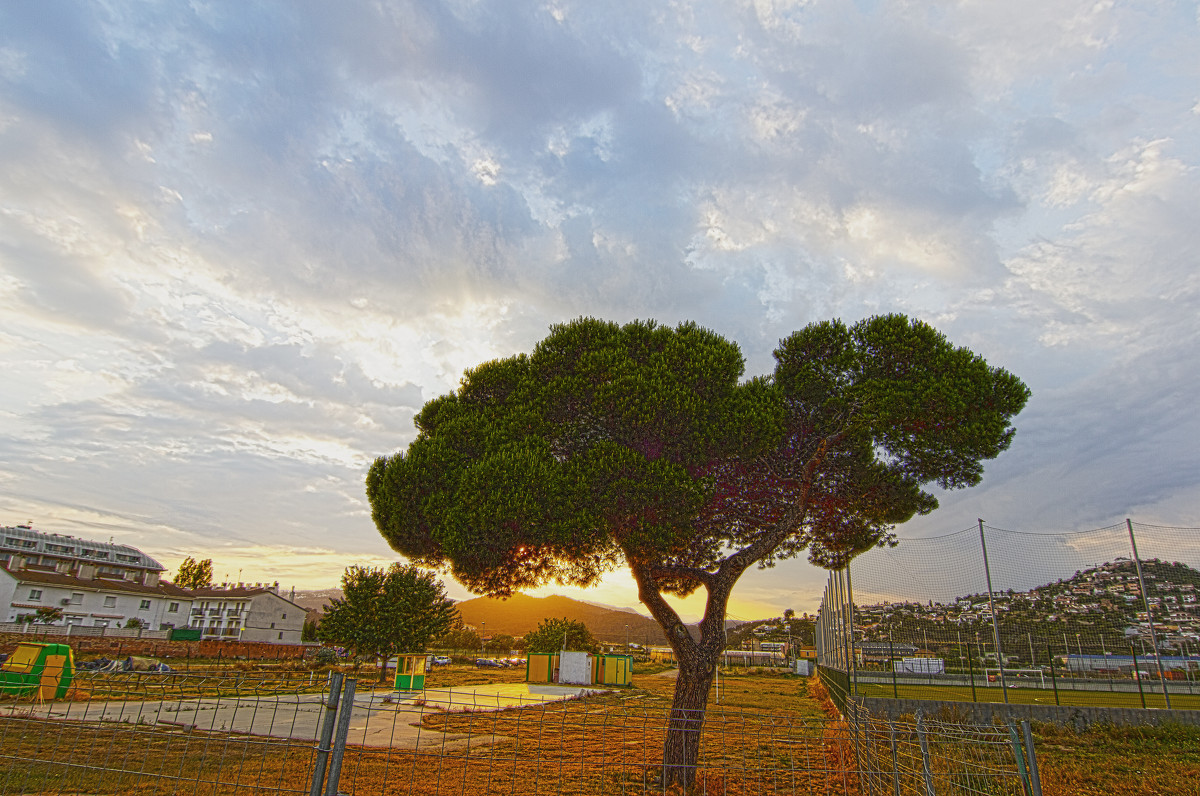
column 641, row 445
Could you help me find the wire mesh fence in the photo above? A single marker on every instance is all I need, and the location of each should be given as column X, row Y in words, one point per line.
column 1109, row 616
column 120, row 732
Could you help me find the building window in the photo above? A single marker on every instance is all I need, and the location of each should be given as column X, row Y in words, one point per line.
column 35, row 594
column 110, row 602
column 272, row 625
column 173, row 608
column 281, row 636
column 145, row 604
column 283, row 616
column 100, row 623
column 76, row 597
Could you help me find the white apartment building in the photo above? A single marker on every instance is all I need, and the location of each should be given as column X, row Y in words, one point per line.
column 104, row 585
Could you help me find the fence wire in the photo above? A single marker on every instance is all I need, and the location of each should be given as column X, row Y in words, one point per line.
column 187, row 733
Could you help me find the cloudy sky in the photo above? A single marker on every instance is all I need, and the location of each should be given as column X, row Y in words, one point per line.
column 241, row 244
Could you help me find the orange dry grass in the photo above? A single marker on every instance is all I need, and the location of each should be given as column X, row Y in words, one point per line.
column 1103, row 761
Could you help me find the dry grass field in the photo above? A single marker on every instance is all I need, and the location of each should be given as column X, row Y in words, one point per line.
column 561, row 751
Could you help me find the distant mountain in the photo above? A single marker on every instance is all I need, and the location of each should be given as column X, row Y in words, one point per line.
column 520, row 614
column 315, row 599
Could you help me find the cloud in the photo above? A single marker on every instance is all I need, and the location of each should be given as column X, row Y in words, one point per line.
column 240, row 247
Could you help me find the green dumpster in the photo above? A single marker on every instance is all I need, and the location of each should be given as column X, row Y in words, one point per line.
column 42, row 669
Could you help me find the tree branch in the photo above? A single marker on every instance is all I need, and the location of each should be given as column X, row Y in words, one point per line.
column 703, row 576
column 648, row 592
column 733, row 566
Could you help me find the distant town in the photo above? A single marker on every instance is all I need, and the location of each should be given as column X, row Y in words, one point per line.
column 1100, row 609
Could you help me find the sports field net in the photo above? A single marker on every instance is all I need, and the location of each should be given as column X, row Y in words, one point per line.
column 1080, row 609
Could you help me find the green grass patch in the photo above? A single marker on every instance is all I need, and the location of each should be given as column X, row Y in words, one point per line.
column 1030, row 696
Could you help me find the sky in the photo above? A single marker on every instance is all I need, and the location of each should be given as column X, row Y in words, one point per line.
column 242, row 244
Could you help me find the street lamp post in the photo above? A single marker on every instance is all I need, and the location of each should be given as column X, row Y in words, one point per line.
column 626, row 639
column 482, row 636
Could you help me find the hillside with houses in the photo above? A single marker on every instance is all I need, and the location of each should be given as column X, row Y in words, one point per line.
column 1101, row 609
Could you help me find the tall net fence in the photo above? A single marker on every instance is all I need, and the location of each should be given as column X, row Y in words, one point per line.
column 1109, row 616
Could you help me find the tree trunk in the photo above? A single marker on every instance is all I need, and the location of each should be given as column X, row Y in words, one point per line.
column 681, row 751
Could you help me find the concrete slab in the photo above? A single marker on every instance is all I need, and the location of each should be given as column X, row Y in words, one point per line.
column 497, row 696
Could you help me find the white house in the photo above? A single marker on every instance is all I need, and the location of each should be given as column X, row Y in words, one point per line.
column 246, row 612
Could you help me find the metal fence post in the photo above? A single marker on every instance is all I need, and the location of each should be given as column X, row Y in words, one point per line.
column 1137, row 675
column 1053, row 679
column 892, row 661
column 331, row 704
column 895, row 758
column 1162, row 678
column 926, row 769
column 850, row 623
column 1035, row 779
column 1019, row 755
column 339, row 740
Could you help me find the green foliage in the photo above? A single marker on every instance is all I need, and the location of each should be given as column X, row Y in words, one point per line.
column 47, row 614
column 641, row 443
column 133, row 623
column 501, row 642
column 193, row 574
column 553, row 635
column 309, row 631
column 457, row 638
column 324, row 657
column 383, row 612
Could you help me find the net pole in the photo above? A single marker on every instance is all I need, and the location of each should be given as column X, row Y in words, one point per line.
column 1162, row 678
column 987, row 571
column 850, row 628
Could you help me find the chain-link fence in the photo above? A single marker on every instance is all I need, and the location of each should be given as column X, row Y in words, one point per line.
column 187, row 733
column 1109, row 616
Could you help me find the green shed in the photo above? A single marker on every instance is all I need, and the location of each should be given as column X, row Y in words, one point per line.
column 410, row 671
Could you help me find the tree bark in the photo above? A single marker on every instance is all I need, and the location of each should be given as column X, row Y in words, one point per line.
column 681, row 750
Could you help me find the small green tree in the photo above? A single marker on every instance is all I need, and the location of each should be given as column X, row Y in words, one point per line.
column 383, row 612
column 48, row 614
column 133, row 623
column 193, row 574
column 554, row 635
column 309, row 631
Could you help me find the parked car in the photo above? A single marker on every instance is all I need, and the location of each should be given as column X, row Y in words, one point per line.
column 441, row 660
column 488, row 663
